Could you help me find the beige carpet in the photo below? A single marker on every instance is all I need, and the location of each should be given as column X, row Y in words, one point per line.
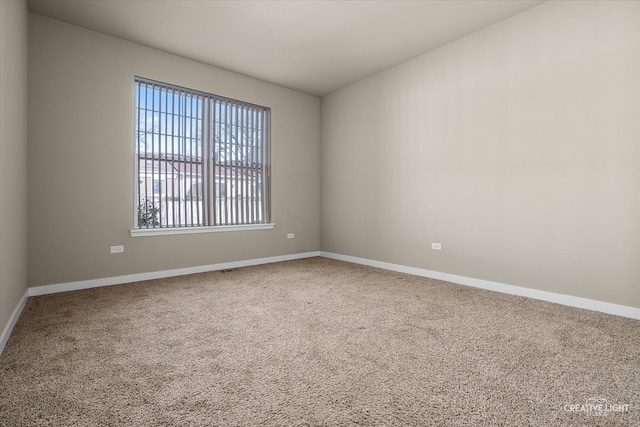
column 315, row 342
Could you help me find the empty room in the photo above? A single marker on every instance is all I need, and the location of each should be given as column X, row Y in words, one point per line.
column 322, row 213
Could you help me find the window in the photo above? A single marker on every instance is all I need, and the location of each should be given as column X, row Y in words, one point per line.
column 201, row 160
column 158, row 186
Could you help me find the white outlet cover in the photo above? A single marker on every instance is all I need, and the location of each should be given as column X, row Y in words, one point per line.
column 117, row 249
column 290, row 235
column 436, row 246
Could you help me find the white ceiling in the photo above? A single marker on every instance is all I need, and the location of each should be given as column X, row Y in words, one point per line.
column 314, row 47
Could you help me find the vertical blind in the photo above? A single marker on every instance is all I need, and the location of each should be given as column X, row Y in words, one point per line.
column 201, row 159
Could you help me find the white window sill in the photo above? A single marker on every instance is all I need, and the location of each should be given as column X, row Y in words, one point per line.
column 144, row 232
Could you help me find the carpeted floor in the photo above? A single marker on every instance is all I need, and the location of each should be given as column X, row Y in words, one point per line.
column 315, row 342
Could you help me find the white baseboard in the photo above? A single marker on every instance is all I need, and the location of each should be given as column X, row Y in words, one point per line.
column 568, row 300
column 129, row 278
column 6, row 333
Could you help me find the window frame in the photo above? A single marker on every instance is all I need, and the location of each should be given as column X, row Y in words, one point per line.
column 257, row 166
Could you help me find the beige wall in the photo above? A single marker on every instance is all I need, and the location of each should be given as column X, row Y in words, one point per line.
column 81, row 159
column 517, row 148
column 13, row 156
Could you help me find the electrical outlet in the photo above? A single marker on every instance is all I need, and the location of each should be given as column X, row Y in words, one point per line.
column 290, row 235
column 436, row 246
column 117, row 249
